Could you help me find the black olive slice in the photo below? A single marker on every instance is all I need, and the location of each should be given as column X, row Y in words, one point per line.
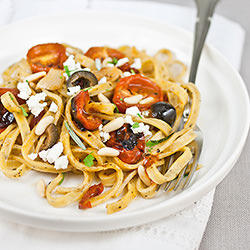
column 6, row 117
column 164, row 111
column 52, row 136
column 82, row 78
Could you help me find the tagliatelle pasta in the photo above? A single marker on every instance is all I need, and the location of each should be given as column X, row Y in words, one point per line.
column 111, row 116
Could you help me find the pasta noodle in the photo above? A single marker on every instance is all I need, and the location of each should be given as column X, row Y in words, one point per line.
column 111, row 116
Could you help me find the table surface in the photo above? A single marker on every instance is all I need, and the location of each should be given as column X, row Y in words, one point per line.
column 229, row 223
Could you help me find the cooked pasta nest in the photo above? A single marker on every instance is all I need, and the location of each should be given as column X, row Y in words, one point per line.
column 122, row 181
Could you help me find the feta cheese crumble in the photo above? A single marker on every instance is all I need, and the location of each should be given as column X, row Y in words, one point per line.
column 122, row 61
column 126, row 73
column 104, row 135
column 53, row 107
column 61, row 162
column 133, row 111
column 72, row 66
column 73, row 90
column 34, row 103
column 142, row 129
column 103, row 80
column 52, row 155
column 25, row 90
column 136, row 64
column 32, row 156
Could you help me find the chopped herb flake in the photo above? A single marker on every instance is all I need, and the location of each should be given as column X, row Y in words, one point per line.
column 86, row 89
column 121, row 99
column 27, row 81
column 61, row 181
column 136, row 125
column 116, row 109
column 155, row 142
column 61, row 77
column 24, row 112
column 132, row 71
column 89, row 160
column 67, row 71
column 74, row 136
column 106, row 90
column 11, row 97
column 139, row 115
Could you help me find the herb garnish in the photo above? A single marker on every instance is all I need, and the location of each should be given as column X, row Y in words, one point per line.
column 155, row 142
column 11, row 97
column 23, row 110
column 116, row 109
column 114, row 61
column 86, row 89
column 136, row 125
column 89, row 160
column 139, row 115
column 67, row 71
column 132, row 71
column 73, row 135
column 61, row 181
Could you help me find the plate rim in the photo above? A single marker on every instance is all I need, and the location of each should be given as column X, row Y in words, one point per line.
column 185, row 201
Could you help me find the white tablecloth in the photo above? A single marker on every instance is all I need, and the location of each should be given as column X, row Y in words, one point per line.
column 183, row 230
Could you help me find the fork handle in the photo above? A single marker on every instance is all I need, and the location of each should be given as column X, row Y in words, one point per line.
column 204, row 14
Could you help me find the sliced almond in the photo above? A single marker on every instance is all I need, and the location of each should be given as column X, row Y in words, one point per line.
column 113, row 125
column 34, row 77
column 134, row 99
column 108, row 152
column 102, row 98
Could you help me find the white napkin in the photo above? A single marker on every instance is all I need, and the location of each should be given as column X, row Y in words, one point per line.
column 183, row 230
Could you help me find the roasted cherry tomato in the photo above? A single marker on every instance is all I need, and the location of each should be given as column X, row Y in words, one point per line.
column 80, row 116
column 43, row 57
column 93, row 191
column 134, row 85
column 149, row 160
column 130, row 145
column 6, row 117
column 102, row 53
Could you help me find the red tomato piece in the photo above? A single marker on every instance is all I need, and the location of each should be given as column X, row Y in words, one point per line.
column 93, row 191
column 133, row 85
column 43, row 57
column 131, row 146
column 80, row 116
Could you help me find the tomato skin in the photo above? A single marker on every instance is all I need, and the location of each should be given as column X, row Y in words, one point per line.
column 131, row 146
column 43, row 57
column 93, row 191
column 15, row 92
column 89, row 122
column 136, row 84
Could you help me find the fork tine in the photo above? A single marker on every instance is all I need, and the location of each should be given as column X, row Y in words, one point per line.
column 180, row 178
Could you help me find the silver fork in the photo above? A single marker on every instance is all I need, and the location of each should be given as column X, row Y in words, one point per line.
column 205, row 10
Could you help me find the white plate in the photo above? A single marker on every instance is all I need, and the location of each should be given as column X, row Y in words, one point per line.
column 224, row 116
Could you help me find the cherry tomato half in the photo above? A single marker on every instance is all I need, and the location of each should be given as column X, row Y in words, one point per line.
column 134, row 85
column 102, row 53
column 43, row 57
column 130, row 145
column 93, row 191
column 80, row 116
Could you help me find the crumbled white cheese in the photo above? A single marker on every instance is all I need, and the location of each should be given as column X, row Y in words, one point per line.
column 53, row 107
column 43, row 155
column 126, row 73
column 54, row 152
column 85, row 69
column 133, row 111
column 145, row 113
column 142, row 129
column 32, row 156
column 136, row 64
column 98, row 64
column 122, row 61
column 103, row 80
column 73, row 90
column 104, row 135
column 128, row 119
column 25, row 90
column 72, row 65
column 61, row 162
column 34, row 103
column 51, row 154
